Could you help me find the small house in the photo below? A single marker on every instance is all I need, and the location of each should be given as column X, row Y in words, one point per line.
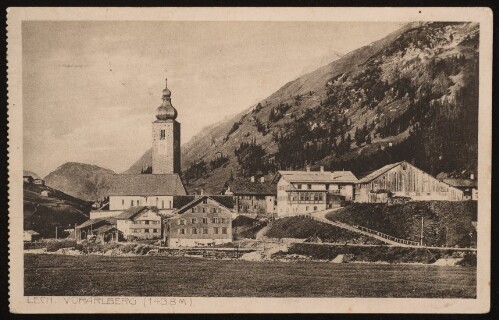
column 31, row 235
column 202, row 222
column 101, row 230
column 39, row 182
column 469, row 187
column 27, row 179
column 253, row 197
column 45, row 193
column 140, row 222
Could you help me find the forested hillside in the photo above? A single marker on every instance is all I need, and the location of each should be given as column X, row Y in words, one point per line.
column 412, row 95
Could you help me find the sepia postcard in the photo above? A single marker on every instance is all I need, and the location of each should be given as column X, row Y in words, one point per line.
column 249, row 160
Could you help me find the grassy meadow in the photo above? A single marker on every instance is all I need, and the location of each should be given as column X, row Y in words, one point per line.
column 58, row 275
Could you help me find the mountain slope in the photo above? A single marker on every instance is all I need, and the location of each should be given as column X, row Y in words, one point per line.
column 412, row 95
column 44, row 214
column 84, row 181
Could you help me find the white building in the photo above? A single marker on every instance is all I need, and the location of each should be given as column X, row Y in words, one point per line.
column 308, row 191
column 141, row 222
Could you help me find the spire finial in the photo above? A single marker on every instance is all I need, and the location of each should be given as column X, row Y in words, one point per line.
column 166, row 77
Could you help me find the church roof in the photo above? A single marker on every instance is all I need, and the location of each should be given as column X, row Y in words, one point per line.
column 146, row 185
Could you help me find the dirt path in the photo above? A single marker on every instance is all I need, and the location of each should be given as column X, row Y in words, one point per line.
column 262, row 232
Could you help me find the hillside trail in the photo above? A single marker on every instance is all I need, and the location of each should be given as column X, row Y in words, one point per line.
column 321, row 216
column 262, row 232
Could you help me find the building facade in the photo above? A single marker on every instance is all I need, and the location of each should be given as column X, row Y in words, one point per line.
column 253, row 197
column 202, row 222
column 402, row 179
column 142, row 222
column 469, row 187
column 308, row 191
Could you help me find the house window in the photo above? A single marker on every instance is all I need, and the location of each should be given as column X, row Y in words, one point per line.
column 315, row 208
column 155, row 230
column 181, row 222
column 306, row 208
column 213, row 220
column 147, row 221
column 224, row 230
column 182, row 231
column 162, row 204
column 299, row 186
column 205, row 200
column 193, row 210
column 131, row 203
column 309, row 186
column 327, row 186
column 193, row 220
column 205, row 231
column 162, row 134
column 205, row 220
column 194, row 231
column 215, row 230
column 123, row 202
column 146, row 230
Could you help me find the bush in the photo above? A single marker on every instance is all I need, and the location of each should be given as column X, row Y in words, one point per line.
column 55, row 245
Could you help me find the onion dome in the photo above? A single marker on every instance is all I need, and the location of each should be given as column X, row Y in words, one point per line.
column 166, row 111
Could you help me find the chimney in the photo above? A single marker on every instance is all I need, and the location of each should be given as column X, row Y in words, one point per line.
column 472, row 176
column 262, row 179
column 308, row 168
column 252, row 178
column 322, row 169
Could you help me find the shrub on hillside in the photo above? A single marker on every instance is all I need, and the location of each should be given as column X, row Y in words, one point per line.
column 55, row 245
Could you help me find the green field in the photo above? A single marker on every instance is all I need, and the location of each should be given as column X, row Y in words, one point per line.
column 168, row 276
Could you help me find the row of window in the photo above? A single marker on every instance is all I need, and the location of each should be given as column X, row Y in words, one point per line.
column 202, row 220
column 145, row 230
column 309, row 186
column 202, row 231
column 137, row 203
column 204, row 210
column 146, row 222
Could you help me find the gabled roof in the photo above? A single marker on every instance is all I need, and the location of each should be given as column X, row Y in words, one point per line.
column 344, row 176
column 463, row 183
column 99, row 221
column 146, row 185
column 132, row 212
column 376, row 173
column 195, row 202
column 241, row 186
column 319, row 176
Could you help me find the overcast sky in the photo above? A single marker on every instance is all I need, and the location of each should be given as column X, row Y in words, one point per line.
column 90, row 89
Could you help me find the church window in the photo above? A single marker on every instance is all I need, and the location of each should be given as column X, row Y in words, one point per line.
column 162, row 204
column 162, row 134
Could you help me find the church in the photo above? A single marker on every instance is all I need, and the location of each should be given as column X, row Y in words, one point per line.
column 159, row 187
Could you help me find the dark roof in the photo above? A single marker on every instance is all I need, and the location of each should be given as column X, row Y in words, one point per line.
column 376, row 173
column 97, row 221
column 241, row 186
column 319, row 176
column 131, row 212
column 146, row 185
column 195, row 202
column 463, row 183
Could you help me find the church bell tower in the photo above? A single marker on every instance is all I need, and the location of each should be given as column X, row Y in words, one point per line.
column 166, row 137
